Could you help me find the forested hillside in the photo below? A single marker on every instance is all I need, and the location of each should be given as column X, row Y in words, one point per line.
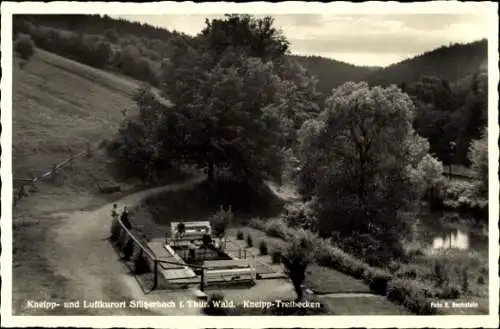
column 332, row 73
column 451, row 63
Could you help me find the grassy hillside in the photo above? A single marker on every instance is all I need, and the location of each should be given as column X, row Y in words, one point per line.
column 58, row 106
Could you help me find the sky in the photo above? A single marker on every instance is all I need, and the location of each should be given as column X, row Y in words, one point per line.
column 366, row 40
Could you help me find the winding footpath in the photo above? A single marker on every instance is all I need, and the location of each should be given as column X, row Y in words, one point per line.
column 84, row 256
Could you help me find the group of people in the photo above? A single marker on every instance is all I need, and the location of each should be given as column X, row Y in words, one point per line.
column 124, row 217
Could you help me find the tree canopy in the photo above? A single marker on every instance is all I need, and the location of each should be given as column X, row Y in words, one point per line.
column 357, row 159
column 237, row 104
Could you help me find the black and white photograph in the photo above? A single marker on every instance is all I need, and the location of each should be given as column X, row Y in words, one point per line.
column 241, row 162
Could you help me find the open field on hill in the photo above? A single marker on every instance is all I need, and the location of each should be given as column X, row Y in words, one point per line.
column 58, row 106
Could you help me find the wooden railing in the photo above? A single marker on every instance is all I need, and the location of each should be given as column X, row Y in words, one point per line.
column 123, row 237
column 22, row 191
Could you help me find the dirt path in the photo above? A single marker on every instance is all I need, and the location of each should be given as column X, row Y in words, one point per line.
column 83, row 255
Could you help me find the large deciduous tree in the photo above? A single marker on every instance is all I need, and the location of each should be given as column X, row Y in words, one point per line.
column 236, row 111
column 358, row 158
column 149, row 142
column 232, row 121
column 238, row 104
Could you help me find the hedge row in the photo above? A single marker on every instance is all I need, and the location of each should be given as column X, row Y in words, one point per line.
column 460, row 196
column 410, row 293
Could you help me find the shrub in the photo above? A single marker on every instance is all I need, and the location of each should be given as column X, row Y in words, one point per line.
column 378, row 281
column 449, row 291
column 207, row 240
column 412, row 294
column 300, row 214
column 309, row 238
column 410, row 271
column 440, row 272
column 141, row 265
column 430, row 176
column 240, row 235
column 464, row 279
column 128, row 249
column 213, row 306
column 258, row 224
column 277, row 227
column 221, row 220
column 249, row 241
column 296, row 258
column 462, row 196
column 480, row 280
column 394, row 266
column 333, row 257
column 263, row 248
column 276, row 257
column 24, row 46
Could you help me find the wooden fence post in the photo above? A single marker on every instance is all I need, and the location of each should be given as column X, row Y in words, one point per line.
column 202, row 283
column 89, row 150
column 155, row 283
column 54, row 171
column 22, row 192
column 14, row 199
column 33, row 182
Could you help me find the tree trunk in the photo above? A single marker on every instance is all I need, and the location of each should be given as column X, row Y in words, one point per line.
column 210, row 171
column 298, row 290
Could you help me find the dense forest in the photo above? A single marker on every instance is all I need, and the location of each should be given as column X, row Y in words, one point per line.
column 332, row 73
column 450, row 63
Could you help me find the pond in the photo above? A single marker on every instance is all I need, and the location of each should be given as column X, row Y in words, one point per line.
column 438, row 231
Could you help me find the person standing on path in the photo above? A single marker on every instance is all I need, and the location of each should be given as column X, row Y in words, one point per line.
column 125, row 218
column 114, row 212
column 115, row 227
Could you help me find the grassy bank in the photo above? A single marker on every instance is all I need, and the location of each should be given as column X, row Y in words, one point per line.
column 58, row 106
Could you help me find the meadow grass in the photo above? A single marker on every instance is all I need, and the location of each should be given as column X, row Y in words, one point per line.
column 58, row 106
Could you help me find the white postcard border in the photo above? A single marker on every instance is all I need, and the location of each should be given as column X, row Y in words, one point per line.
column 488, row 9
